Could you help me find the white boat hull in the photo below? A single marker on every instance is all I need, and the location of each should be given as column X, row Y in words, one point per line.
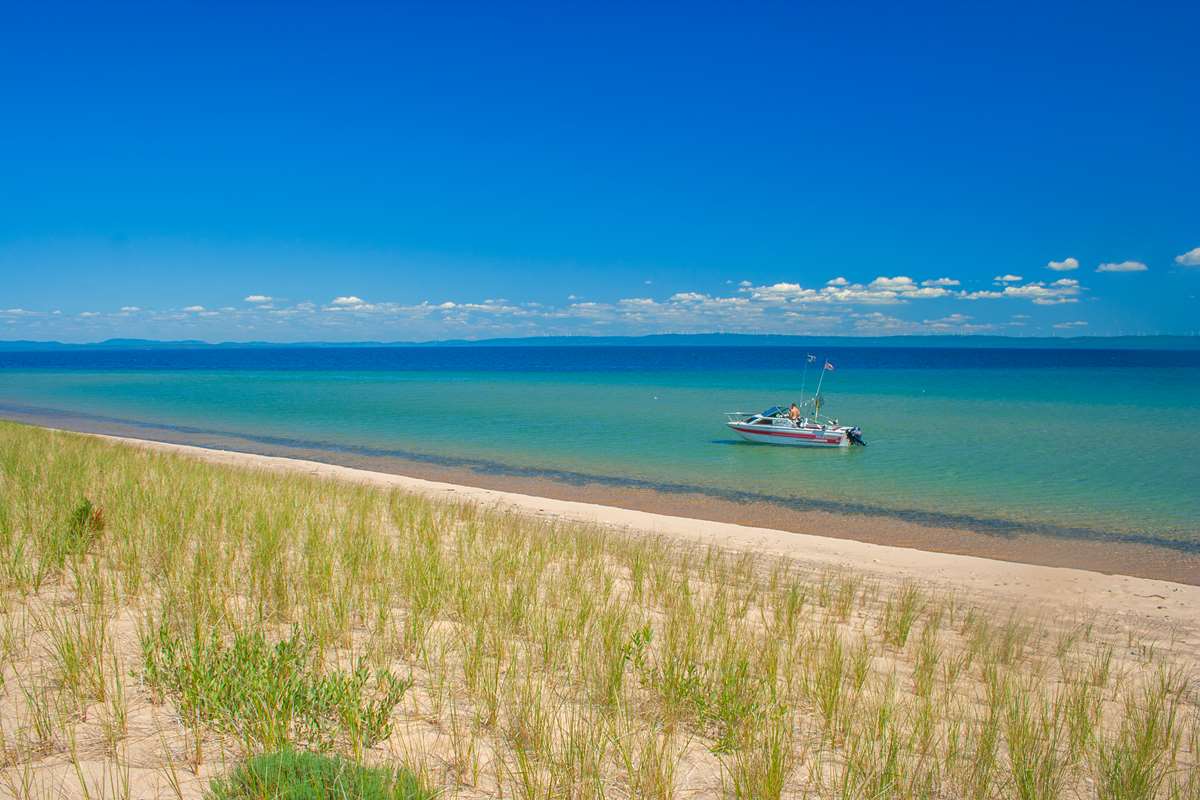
column 789, row 435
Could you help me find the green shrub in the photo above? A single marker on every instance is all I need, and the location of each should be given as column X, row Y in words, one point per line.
column 270, row 696
column 292, row 775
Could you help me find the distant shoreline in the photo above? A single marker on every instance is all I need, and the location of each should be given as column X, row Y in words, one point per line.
column 944, row 341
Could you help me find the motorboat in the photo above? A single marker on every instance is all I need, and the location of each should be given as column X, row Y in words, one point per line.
column 775, row 426
column 809, row 429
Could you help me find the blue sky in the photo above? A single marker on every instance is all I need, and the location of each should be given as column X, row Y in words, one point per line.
column 376, row 171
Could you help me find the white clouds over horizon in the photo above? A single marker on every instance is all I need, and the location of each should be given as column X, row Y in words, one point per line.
column 838, row 305
column 1122, row 266
column 1066, row 265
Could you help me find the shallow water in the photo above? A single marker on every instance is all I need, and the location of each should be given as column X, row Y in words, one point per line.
column 1091, row 444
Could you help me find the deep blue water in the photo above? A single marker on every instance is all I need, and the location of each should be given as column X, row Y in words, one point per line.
column 586, row 359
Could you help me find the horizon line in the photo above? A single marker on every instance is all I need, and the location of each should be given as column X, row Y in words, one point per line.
column 133, row 341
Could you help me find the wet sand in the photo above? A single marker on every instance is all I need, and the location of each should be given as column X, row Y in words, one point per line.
column 1107, row 557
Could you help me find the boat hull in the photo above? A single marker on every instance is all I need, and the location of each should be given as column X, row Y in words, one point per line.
column 789, row 436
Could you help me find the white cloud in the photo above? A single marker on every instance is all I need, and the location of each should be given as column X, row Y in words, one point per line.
column 900, row 283
column 89, row 313
column 1063, row 290
column 1010, row 278
column 877, row 322
column 781, row 293
column 883, row 290
column 1189, row 259
column 1066, row 265
column 258, row 298
column 940, row 282
column 950, row 321
column 960, row 323
column 130, row 309
column 1122, row 266
column 346, row 300
column 1038, row 291
column 1076, row 324
column 194, row 309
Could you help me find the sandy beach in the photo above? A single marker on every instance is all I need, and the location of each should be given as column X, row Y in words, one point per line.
column 543, row 642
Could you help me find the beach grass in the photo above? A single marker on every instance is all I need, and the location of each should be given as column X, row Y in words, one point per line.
column 299, row 775
column 167, row 622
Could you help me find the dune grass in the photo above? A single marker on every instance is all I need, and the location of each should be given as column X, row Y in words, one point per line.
column 163, row 619
column 298, row 775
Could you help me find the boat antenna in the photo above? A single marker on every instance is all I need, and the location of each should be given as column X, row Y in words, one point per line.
column 826, row 367
column 808, row 359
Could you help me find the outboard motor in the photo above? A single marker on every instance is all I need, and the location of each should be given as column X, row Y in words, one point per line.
column 855, row 437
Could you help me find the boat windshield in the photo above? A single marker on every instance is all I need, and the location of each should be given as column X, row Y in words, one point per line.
column 773, row 411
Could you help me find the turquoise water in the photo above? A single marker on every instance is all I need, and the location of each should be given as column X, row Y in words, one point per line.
column 1084, row 448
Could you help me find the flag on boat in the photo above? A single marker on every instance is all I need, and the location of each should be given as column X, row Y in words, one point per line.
column 829, row 366
column 812, row 359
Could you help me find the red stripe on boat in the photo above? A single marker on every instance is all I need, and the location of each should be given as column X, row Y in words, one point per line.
column 788, row 434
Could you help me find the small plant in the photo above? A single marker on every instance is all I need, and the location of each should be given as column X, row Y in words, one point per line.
column 84, row 526
column 1037, row 766
column 735, row 697
column 763, row 760
column 76, row 536
column 1131, row 767
column 830, row 678
column 270, row 696
column 900, row 614
column 292, row 775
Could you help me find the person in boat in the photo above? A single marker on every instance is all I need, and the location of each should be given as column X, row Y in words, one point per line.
column 794, row 413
